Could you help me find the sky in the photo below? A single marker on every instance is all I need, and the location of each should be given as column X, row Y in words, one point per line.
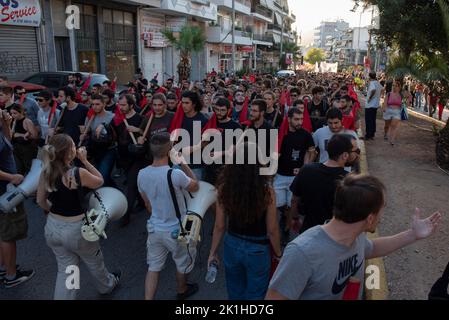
column 310, row 13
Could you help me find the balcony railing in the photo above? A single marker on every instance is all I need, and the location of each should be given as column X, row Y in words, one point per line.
column 274, row 27
column 262, row 37
column 263, row 11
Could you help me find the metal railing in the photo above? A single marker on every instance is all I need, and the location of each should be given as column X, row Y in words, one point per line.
column 263, row 11
column 263, row 37
column 274, row 27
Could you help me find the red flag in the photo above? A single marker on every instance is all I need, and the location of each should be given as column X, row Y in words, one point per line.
column 283, row 98
column 177, row 119
column 306, row 123
column 52, row 111
column 90, row 113
column 211, row 124
column 118, row 116
column 283, row 132
column 162, row 90
column 149, row 113
column 178, row 93
column 243, row 117
column 252, row 78
column 144, row 102
column 85, row 85
column 114, row 86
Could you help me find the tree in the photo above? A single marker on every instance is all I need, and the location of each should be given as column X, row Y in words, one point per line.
column 190, row 39
column 315, row 55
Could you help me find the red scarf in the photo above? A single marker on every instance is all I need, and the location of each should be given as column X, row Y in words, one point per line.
column 283, row 132
column 212, row 124
column 90, row 113
column 243, row 117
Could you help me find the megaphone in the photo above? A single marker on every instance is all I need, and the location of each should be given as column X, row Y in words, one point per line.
column 197, row 204
column 16, row 195
column 105, row 204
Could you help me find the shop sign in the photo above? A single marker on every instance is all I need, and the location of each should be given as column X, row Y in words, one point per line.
column 20, row 12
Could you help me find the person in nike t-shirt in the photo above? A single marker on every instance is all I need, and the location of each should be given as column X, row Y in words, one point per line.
column 330, row 255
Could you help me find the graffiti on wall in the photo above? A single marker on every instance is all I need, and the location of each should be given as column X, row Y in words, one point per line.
column 11, row 63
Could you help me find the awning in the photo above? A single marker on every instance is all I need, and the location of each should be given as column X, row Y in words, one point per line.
column 278, row 18
column 277, row 38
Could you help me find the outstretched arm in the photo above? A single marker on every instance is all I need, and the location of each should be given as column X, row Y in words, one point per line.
column 421, row 229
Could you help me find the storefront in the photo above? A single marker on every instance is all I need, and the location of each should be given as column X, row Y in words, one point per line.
column 107, row 39
column 19, row 30
column 152, row 44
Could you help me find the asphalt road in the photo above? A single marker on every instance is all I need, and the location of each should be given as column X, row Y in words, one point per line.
column 125, row 249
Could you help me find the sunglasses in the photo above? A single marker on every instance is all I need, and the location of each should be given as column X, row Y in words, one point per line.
column 40, row 99
column 357, row 151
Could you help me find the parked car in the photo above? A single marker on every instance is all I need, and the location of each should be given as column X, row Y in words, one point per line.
column 58, row 79
column 285, row 73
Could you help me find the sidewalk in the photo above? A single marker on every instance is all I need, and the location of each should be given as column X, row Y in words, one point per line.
column 412, row 178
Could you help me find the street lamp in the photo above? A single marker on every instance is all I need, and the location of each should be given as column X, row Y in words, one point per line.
column 233, row 38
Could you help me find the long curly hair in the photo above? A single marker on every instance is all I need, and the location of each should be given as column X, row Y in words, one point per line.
column 243, row 192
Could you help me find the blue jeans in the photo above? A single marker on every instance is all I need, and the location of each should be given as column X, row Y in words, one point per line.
column 105, row 165
column 247, row 268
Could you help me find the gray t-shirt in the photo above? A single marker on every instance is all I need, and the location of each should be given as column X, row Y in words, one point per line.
column 321, row 138
column 315, row 267
column 98, row 120
column 153, row 182
column 42, row 119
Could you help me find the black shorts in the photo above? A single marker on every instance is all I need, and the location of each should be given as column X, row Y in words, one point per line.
column 14, row 225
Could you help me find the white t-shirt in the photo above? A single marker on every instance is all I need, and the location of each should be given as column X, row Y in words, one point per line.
column 375, row 101
column 153, row 182
column 42, row 119
column 321, row 138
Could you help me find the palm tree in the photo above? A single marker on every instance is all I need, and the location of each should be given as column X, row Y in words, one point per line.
column 190, row 39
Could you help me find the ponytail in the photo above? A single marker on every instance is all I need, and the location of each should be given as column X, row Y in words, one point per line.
column 54, row 165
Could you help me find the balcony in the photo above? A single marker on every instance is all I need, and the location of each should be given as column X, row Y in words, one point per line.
column 189, row 8
column 218, row 34
column 262, row 13
column 274, row 28
column 262, row 39
column 241, row 6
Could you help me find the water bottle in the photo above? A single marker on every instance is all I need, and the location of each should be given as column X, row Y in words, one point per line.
column 212, row 272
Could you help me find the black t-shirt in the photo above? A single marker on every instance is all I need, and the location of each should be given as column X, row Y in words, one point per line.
column 230, row 125
column 294, row 148
column 187, row 124
column 111, row 107
column 315, row 185
column 267, row 127
column 123, row 136
column 317, row 114
column 269, row 117
column 72, row 119
column 158, row 125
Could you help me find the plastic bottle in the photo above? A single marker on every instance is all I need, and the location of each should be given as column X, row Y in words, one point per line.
column 212, row 272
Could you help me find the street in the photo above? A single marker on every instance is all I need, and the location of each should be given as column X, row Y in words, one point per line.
column 125, row 250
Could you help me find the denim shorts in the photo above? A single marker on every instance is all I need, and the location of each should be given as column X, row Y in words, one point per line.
column 392, row 114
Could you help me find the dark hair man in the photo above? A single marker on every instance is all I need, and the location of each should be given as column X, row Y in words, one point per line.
column 314, row 187
column 72, row 117
column 317, row 108
column 45, row 119
column 297, row 149
column 334, row 126
column 328, row 256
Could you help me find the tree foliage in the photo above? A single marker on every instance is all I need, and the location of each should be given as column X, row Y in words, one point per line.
column 190, row 39
column 315, row 55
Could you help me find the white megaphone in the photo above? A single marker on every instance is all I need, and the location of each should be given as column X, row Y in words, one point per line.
column 105, row 204
column 197, row 204
column 15, row 195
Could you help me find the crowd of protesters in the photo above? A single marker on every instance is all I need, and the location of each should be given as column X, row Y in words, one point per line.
column 126, row 135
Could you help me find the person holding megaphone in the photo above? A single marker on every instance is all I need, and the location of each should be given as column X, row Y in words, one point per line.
column 59, row 194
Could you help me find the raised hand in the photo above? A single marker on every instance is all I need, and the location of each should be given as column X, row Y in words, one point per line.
column 423, row 228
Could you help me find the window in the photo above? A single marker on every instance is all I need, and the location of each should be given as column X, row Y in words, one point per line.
column 128, row 19
column 107, row 16
column 118, row 17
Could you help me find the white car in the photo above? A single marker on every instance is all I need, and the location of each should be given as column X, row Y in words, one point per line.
column 286, row 73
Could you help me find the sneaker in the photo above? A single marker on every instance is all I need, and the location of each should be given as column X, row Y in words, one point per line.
column 3, row 273
column 21, row 276
column 192, row 288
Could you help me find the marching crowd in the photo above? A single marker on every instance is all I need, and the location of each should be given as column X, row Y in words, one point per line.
column 91, row 137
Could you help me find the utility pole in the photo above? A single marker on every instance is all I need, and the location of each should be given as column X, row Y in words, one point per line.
column 357, row 53
column 233, row 38
column 282, row 39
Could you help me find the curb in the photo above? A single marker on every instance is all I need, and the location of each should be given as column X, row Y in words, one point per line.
column 425, row 118
column 381, row 293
